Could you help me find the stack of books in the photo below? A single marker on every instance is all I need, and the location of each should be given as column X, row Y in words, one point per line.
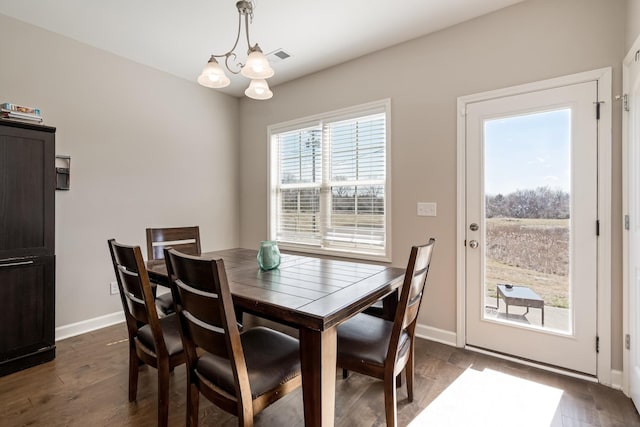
column 20, row 112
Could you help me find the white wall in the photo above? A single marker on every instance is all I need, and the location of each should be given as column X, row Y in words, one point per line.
column 530, row 41
column 633, row 23
column 147, row 149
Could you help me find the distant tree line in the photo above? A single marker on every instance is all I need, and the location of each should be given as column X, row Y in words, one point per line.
column 344, row 199
column 541, row 202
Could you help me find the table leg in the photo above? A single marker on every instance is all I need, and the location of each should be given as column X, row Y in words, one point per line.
column 318, row 360
column 389, row 306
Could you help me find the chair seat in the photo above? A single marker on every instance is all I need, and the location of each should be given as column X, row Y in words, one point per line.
column 164, row 303
column 272, row 359
column 170, row 331
column 366, row 338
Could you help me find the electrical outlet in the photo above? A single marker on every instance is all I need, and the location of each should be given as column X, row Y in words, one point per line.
column 426, row 209
column 113, row 288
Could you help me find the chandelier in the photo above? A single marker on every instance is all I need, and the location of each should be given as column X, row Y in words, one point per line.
column 256, row 66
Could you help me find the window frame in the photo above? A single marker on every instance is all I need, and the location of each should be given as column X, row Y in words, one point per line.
column 321, row 120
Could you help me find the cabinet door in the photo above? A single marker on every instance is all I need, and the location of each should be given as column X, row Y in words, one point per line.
column 27, row 192
column 27, row 317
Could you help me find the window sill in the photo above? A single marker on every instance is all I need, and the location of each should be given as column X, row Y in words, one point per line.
column 333, row 253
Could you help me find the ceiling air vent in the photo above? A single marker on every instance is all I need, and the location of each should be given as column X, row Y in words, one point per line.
column 277, row 55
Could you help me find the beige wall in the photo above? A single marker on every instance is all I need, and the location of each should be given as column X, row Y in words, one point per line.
column 530, row 41
column 147, row 149
column 633, row 23
column 126, row 126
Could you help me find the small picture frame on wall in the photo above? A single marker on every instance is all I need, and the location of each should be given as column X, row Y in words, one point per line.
column 63, row 172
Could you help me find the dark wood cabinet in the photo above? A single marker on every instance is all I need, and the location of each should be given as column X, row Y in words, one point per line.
column 27, row 245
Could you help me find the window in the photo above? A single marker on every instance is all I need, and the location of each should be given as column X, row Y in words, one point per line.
column 329, row 182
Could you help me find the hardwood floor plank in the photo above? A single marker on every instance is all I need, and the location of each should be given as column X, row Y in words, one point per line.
column 86, row 385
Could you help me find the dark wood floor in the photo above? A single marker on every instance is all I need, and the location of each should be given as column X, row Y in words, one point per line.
column 87, row 386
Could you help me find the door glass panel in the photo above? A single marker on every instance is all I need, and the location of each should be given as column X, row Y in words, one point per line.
column 527, row 185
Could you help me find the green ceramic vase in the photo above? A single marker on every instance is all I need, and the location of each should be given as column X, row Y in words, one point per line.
column 268, row 255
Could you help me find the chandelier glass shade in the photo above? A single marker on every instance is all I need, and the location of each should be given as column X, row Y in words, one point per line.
column 258, row 89
column 256, row 66
column 213, row 75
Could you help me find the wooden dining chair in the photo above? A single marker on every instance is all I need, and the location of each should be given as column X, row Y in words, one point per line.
column 382, row 349
column 242, row 373
column 183, row 239
column 153, row 341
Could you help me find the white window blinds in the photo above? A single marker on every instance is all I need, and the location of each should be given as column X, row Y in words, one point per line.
column 357, row 183
column 299, row 184
column 329, row 183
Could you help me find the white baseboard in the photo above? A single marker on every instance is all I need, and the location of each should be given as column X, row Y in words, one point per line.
column 435, row 334
column 616, row 379
column 73, row 329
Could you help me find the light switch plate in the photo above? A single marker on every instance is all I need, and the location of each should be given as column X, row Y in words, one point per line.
column 427, row 209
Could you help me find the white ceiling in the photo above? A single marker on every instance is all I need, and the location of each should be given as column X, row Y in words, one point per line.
column 179, row 36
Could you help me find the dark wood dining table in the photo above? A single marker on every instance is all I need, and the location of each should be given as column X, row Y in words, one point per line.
column 312, row 294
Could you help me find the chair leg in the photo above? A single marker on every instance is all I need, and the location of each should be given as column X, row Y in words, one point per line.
column 133, row 372
column 345, row 374
column 409, row 373
column 163, row 394
column 192, row 405
column 245, row 416
column 390, row 410
column 399, row 380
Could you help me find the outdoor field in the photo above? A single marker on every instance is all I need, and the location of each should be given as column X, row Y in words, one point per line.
column 530, row 252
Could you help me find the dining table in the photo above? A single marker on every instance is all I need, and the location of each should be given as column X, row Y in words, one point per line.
column 313, row 294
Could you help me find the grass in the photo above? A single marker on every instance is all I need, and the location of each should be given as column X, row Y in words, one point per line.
column 529, row 252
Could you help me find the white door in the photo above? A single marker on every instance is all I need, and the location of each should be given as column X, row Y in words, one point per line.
column 632, row 175
column 531, row 225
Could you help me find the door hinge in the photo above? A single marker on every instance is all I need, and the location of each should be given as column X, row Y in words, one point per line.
column 625, row 102
column 597, row 344
column 597, row 227
column 598, row 103
column 626, row 222
column 627, row 342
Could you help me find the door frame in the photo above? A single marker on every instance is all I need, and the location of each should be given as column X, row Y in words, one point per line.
column 626, row 195
column 604, row 78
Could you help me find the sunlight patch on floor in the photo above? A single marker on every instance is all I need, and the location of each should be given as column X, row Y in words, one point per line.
column 490, row 398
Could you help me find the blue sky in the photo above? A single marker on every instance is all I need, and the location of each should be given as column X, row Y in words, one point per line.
column 529, row 151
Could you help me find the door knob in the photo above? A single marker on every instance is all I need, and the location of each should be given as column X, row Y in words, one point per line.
column 473, row 244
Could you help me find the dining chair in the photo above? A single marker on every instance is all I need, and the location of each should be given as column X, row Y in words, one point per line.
column 152, row 340
column 381, row 348
column 183, row 239
column 240, row 372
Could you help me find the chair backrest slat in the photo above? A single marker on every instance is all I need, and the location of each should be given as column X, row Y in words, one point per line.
column 182, row 239
column 201, row 313
column 133, row 293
